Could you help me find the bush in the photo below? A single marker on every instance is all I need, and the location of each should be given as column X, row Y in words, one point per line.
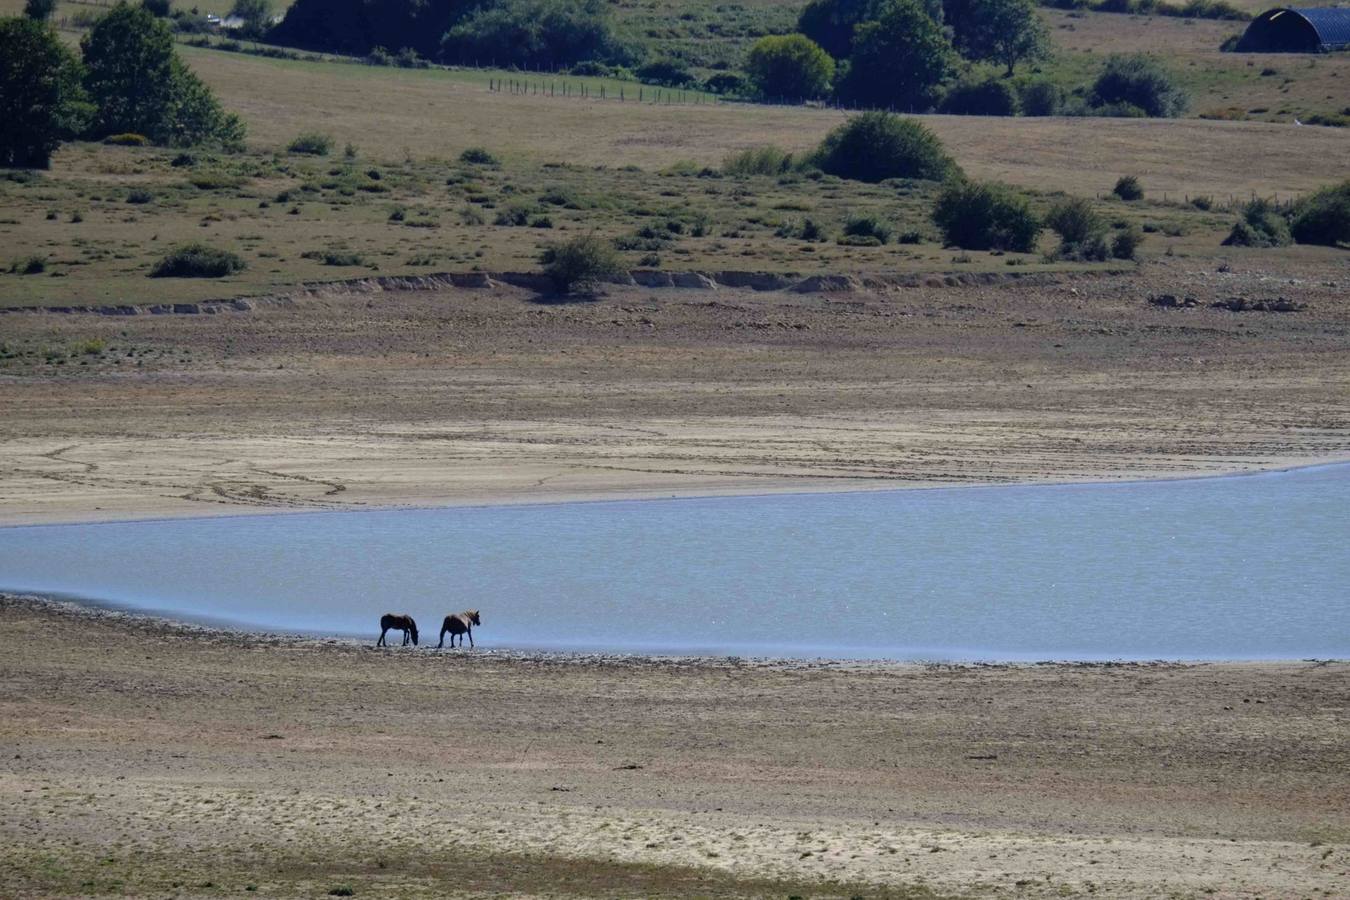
column 580, row 263
column 868, row 227
column 726, row 83
column 311, row 143
column 158, row 8
column 1137, row 82
column 767, row 160
column 1126, row 242
column 335, row 257
column 665, row 72
column 39, row 10
column 789, row 67
column 528, row 33
column 1261, row 225
column 1323, row 218
column 477, row 156
column 831, row 23
column 1040, row 98
column 41, row 100
column 876, row 145
column 197, row 261
column 1075, row 221
column 139, row 196
column 29, row 265
column 985, row 216
column 127, row 139
column 1128, row 189
column 992, row 97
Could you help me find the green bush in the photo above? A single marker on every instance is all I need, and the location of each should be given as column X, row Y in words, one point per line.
column 1040, row 98
column 478, row 156
column 1128, row 189
column 991, row 97
column 1126, row 242
column 865, row 226
column 1323, row 218
column 531, row 34
column 311, row 143
column 1137, row 82
column 1261, row 225
column 127, row 139
column 139, row 196
column 789, row 67
column 766, row 160
column 726, row 83
column 1075, row 221
column 899, row 60
column 29, row 265
column 335, row 257
column 665, row 72
column 580, row 263
column 986, row 216
column 876, row 146
column 197, row 261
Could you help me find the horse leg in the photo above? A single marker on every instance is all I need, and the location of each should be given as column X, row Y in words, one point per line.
column 380, row 642
column 441, row 642
column 470, row 633
column 407, row 636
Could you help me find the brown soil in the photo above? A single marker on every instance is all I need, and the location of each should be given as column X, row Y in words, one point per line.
column 498, row 395
column 149, row 758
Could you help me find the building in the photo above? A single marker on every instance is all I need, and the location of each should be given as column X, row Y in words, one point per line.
column 1297, row 31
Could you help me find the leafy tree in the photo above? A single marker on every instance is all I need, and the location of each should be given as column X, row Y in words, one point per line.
column 548, row 33
column 1324, row 217
column 1002, row 31
column 987, row 216
column 581, row 263
column 257, row 15
column 1141, row 82
column 41, row 10
column 41, row 100
column 160, row 9
column 790, row 66
column 876, row 145
column 899, row 60
column 831, row 23
column 139, row 85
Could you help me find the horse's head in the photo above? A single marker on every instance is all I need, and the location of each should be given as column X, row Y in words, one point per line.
column 473, row 616
column 412, row 629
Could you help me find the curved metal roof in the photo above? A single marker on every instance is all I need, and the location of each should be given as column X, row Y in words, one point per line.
column 1331, row 25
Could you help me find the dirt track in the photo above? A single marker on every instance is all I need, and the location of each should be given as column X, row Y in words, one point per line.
column 492, row 396
column 140, row 756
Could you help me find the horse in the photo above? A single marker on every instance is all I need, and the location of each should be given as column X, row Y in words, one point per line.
column 403, row 623
column 460, row 624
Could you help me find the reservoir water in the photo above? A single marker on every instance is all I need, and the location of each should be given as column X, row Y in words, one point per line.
column 1250, row 567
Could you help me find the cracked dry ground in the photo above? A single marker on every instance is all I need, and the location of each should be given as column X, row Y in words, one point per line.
column 351, row 400
column 157, row 760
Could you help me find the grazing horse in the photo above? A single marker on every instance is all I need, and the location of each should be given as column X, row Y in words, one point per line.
column 402, row 623
column 460, row 624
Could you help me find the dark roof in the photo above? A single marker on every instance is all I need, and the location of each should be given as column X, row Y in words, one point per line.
column 1314, row 30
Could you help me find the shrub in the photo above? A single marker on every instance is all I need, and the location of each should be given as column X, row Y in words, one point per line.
column 139, row 196
column 898, row 60
column 868, row 227
column 1128, row 189
column 477, row 156
column 41, row 100
column 335, row 257
column 1323, row 218
column 991, row 97
column 986, row 216
column 875, row 146
column 1261, row 225
column 528, row 33
column 127, row 139
column 665, row 72
column 39, row 10
column 767, row 160
column 311, row 143
column 580, row 263
column 1126, row 242
column 197, row 261
column 790, row 67
column 1075, row 221
column 726, row 83
column 514, row 216
column 29, row 265
column 1140, row 82
column 1040, row 98
column 158, row 8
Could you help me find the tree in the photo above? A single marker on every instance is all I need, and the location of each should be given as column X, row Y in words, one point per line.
column 40, row 10
column 987, row 216
column 1002, row 31
column 257, row 15
column 160, row 9
column 899, row 60
column 128, row 55
column 532, row 33
column 791, row 67
column 41, row 100
column 831, row 23
column 581, row 263
column 876, row 145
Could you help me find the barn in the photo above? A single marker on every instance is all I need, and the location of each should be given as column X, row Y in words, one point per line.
column 1297, row 31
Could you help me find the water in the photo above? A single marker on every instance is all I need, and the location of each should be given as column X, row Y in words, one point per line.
column 1232, row 568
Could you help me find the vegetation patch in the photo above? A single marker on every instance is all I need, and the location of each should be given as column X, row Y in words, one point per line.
column 197, row 260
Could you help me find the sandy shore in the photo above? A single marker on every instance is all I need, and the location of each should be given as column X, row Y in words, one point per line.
column 490, row 396
column 151, row 758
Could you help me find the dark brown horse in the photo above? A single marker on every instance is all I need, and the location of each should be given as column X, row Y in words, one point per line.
column 460, row 624
column 402, row 623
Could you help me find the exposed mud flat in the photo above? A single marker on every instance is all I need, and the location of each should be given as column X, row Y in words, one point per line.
column 150, row 757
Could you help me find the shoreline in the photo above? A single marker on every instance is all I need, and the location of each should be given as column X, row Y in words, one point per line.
column 94, row 610
column 621, row 495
